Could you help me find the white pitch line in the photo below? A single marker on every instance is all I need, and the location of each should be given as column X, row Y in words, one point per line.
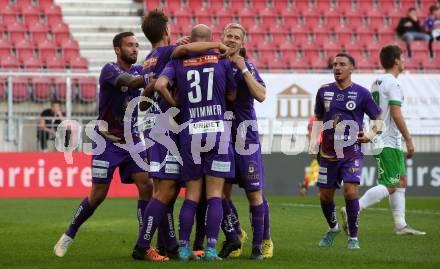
column 413, row 211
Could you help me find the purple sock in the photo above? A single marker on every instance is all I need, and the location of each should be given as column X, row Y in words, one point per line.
column 214, row 214
column 329, row 210
column 227, row 227
column 153, row 215
column 235, row 220
column 140, row 212
column 352, row 207
column 266, row 234
column 257, row 221
column 200, row 225
column 84, row 211
column 166, row 237
column 186, row 221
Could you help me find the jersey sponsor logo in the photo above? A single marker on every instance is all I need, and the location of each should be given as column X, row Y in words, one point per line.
column 149, row 122
column 328, row 98
column 209, row 126
column 340, row 97
column 220, row 166
column 154, row 167
column 100, row 163
column 327, row 105
column 150, row 62
column 352, row 97
column 351, row 105
column 172, row 168
column 322, row 179
column 329, row 94
column 99, row 172
column 201, row 60
column 323, row 170
column 171, row 158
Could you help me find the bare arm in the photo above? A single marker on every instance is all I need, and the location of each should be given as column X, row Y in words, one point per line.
column 257, row 90
column 396, row 114
column 196, row 47
column 130, row 81
column 148, row 90
column 161, row 86
column 316, row 130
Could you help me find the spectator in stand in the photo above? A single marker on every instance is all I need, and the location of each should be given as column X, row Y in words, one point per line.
column 409, row 29
column 47, row 126
column 432, row 25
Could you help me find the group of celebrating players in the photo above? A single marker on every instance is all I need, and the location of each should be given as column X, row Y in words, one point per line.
column 211, row 142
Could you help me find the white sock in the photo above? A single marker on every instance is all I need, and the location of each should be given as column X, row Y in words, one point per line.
column 397, row 203
column 373, row 196
column 336, row 228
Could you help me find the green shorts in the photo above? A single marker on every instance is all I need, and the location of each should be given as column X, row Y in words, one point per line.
column 391, row 166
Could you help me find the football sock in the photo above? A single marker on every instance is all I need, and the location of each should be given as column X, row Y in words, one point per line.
column 186, row 221
column 214, row 214
column 329, row 210
column 397, row 203
column 84, row 211
column 373, row 196
column 353, row 210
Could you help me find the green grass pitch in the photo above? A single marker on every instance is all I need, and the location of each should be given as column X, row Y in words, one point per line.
column 29, row 229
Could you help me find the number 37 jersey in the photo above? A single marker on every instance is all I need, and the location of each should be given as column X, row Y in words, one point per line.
column 201, row 81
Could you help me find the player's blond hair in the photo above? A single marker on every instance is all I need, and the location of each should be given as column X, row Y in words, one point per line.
column 235, row 26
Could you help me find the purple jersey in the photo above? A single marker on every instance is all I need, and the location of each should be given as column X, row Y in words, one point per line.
column 201, row 81
column 155, row 62
column 350, row 104
column 113, row 101
column 243, row 106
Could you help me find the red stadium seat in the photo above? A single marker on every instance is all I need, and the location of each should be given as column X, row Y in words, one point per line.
column 53, row 14
column 31, row 13
column 79, row 64
column 54, row 63
column 16, row 31
column 61, row 31
column 32, row 64
column 319, row 63
column 45, row 3
column 20, row 91
column 9, row 63
column 25, row 48
column 38, row 32
column 60, row 89
column 86, row 88
column 3, row 88
column 296, row 63
column 8, row 14
column 42, row 89
column 70, row 49
column 431, row 65
column 48, row 48
column 5, row 48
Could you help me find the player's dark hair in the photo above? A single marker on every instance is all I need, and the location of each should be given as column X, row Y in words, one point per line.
column 117, row 40
column 348, row 56
column 154, row 25
column 242, row 52
column 433, row 9
column 411, row 9
column 389, row 54
column 55, row 101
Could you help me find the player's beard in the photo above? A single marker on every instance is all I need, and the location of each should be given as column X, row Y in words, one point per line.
column 128, row 59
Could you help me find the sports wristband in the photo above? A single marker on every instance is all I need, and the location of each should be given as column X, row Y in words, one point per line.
column 244, row 71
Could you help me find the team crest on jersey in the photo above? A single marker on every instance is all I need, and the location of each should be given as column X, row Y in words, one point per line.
column 340, row 97
column 150, row 62
column 350, row 105
column 252, row 171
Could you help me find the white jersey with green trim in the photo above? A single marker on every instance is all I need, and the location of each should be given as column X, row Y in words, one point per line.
column 386, row 91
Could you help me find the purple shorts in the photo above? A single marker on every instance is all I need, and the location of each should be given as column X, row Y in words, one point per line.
column 211, row 163
column 332, row 173
column 163, row 165
column 249, row 171
column 104, row 165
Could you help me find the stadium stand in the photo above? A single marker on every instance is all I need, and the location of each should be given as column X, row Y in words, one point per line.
column 358, row 27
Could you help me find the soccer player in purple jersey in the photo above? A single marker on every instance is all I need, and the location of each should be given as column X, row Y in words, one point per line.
column 341, row 106
column 164, row 164
column 248, row 163
column 202, row 81
column 119, row 83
